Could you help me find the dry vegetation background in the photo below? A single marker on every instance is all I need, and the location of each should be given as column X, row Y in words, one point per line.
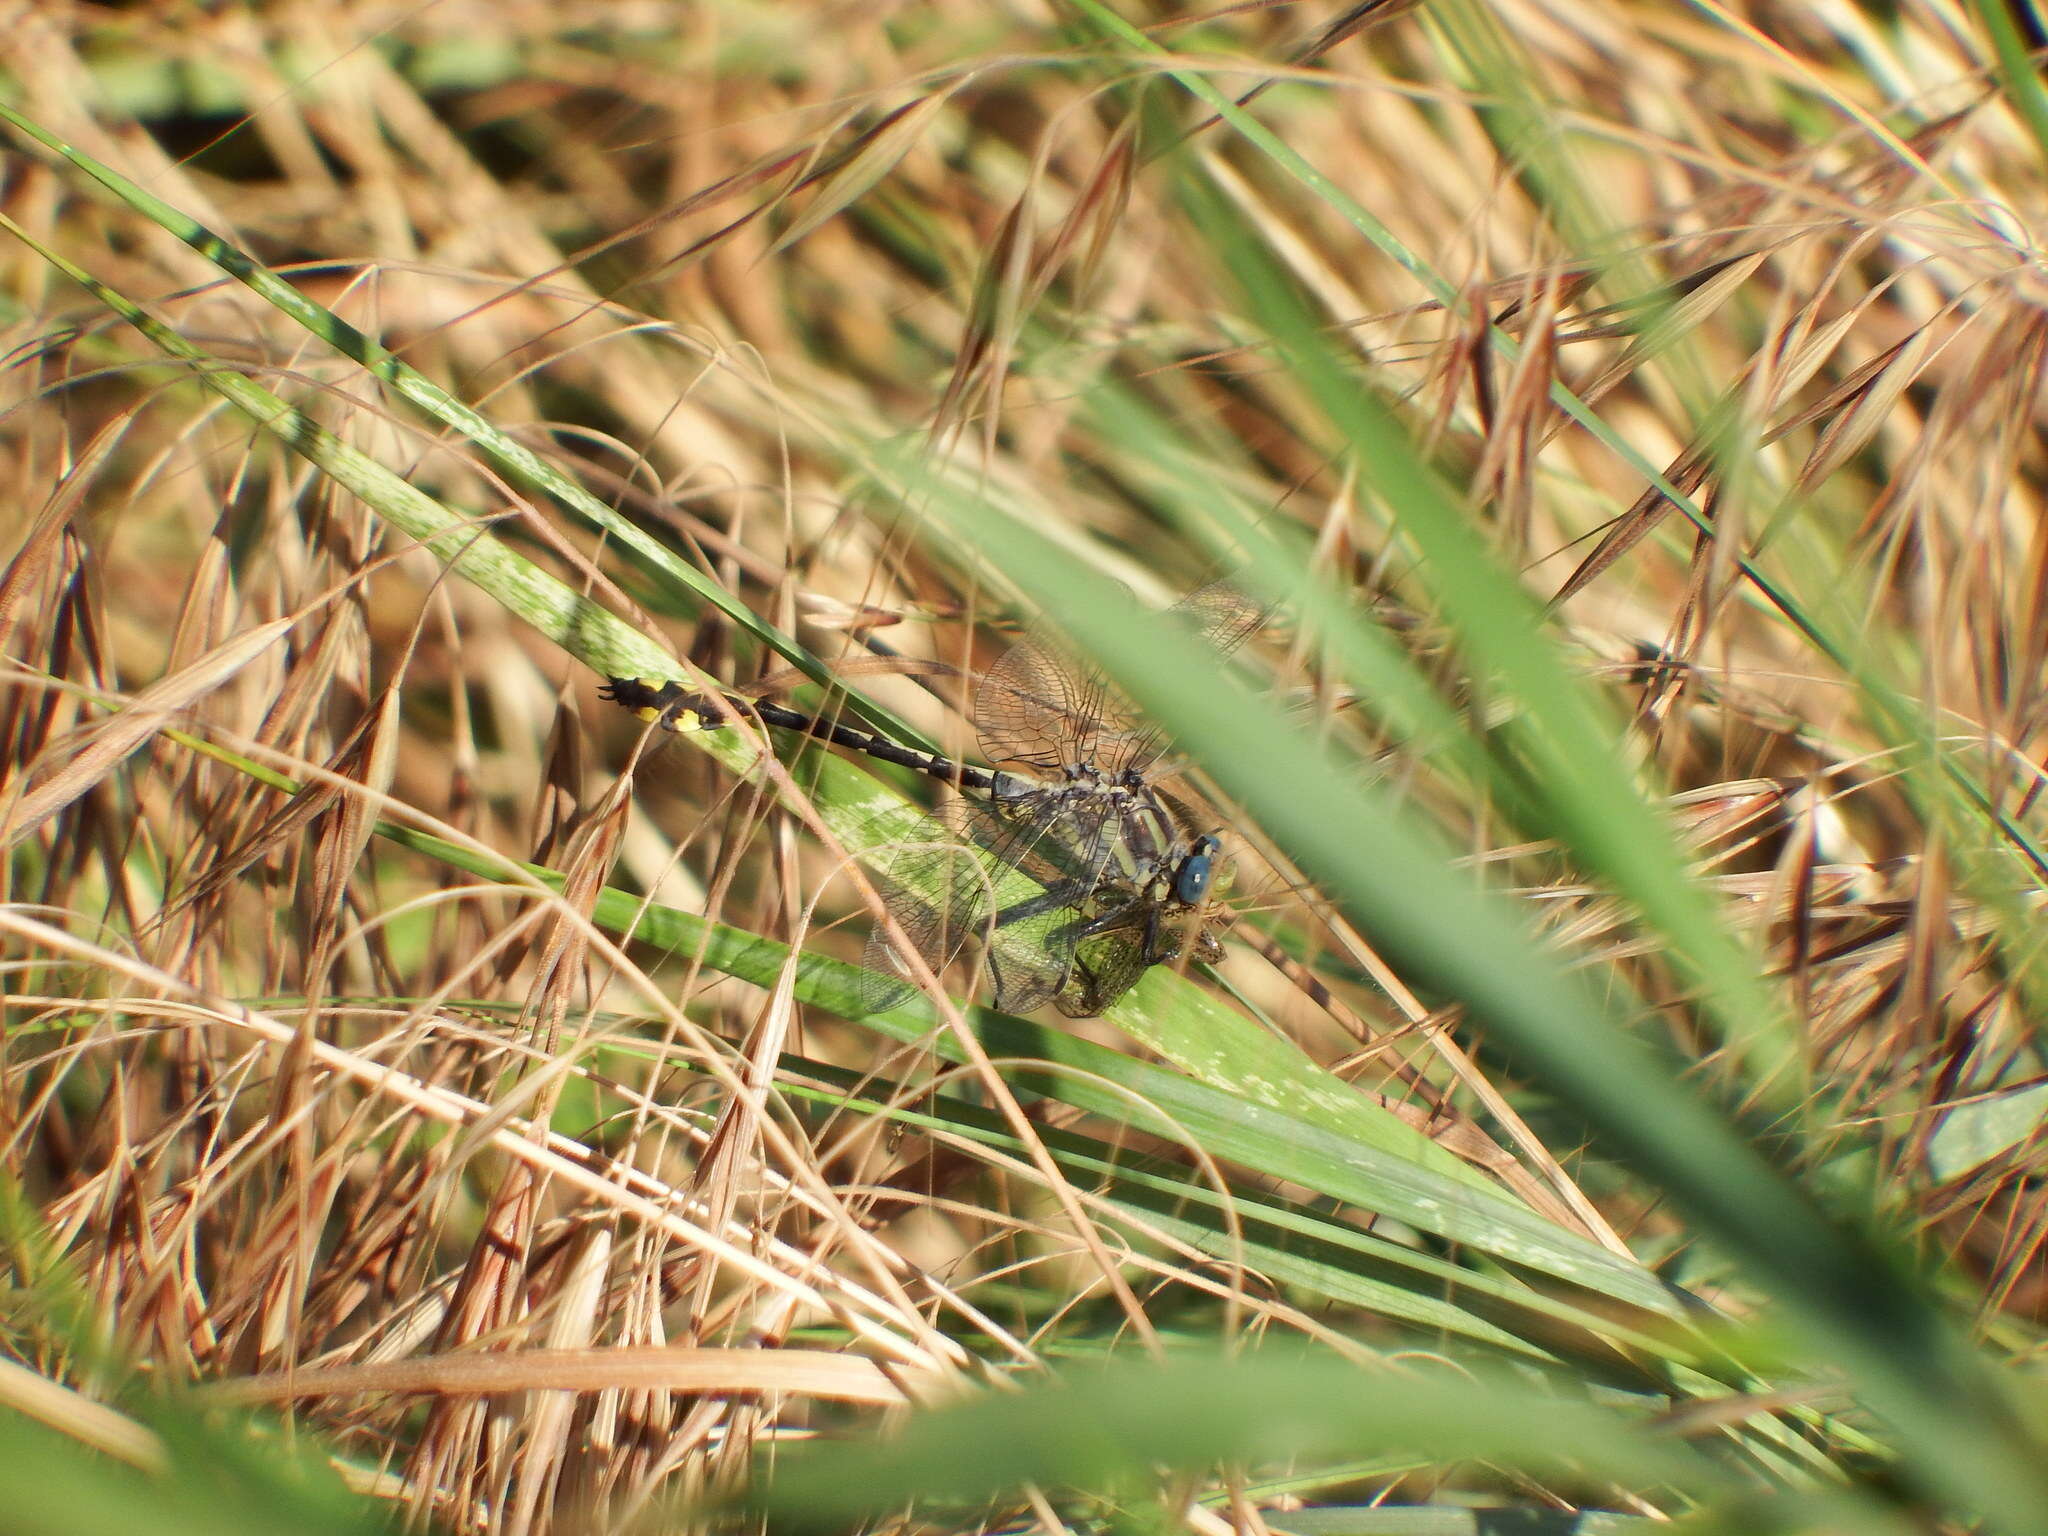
column 314, row 1099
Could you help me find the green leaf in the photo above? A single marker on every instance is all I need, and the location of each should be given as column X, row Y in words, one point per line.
column 1114, row 1429
column 1972, row 1134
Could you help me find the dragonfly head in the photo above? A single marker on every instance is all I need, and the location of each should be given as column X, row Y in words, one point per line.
column 1191, row 879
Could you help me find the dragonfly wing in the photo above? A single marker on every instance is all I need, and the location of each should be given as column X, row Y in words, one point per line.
column 1036, row 707
column 1055, row 851
column 1106, row 966
column 998, row 888
column 1221, row 616
column 1218, row 619
column 1120, row 946
column 1030, row 953
column 1041, row 708
column 939, row 889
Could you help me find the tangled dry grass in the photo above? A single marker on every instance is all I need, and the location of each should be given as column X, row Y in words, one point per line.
column 1726, row 328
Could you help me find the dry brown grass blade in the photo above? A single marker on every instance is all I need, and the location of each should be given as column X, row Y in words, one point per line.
column 1012, row 281
column 1687, row 475
column 1348, row 23
column 1359, row 18
column 36, row 560
column 491, row 1306
column 726, row 1372
column 1854, row 408
column 783, row 678
column 128, row 732
column 838, row 231
column 1514, row 436
column 1872, row 402
column 992, row 320
column 857, row 169
column 560, row 1159
column 1098, row 212
column 575, row 1323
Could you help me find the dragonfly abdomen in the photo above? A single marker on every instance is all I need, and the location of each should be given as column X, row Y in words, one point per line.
column 673, row 707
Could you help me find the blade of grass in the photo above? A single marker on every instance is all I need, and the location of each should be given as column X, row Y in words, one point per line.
column 1350, row 1150
column 1108, row 1427
column 520, row 463
column 1207, row 1040
column 1890, row 709
column 1851, row 1296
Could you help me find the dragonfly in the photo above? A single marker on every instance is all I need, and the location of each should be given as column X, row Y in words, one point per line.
column 1067, row 869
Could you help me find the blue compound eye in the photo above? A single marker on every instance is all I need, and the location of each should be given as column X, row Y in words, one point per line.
column 1191, row 880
